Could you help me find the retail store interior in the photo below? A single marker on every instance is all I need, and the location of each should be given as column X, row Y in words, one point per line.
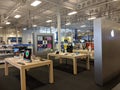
column 59, row 44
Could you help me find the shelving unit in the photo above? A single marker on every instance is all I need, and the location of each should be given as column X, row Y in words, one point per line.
column 5, row 51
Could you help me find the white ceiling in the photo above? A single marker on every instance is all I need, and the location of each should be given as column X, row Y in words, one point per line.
column 48, row 8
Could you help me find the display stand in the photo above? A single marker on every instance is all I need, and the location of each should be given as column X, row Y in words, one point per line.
column 43, row 43
column 5, row 51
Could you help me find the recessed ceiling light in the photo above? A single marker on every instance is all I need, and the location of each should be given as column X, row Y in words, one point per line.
column 17, row 16
column 8, row 23
column 83, row 26
column 52, row 27
column 48, row 21
column 1, row 27
column 24, row 28
column 35, row 3
column 91, row 18
column 68, row 23
column 34, row 25
column 72, row 13
column 112, row 33
column 88, row 31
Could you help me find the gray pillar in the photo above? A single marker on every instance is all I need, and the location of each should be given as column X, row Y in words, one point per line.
column 59, row 29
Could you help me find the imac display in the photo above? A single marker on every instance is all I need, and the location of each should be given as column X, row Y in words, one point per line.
column 27, row 55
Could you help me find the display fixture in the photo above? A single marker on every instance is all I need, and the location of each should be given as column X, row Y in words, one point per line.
column 43, row 43
column 5, row 51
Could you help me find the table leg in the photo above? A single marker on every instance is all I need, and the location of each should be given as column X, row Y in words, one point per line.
column 6, row 68
column 48, row 57
column 51, row 77
column 60, row 60
column 88, row 63
column 23, row 79
column 74, row 66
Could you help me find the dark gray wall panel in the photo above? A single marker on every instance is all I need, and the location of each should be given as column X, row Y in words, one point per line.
column 107, row 50
column 98, row 51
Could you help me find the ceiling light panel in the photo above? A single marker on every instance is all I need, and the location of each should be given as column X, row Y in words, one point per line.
column 1, row 27
column 72, row 13
column 83, row 26
column 36, row 3
column 8, row 23
column 17, row 16
column 48, row 21
column 34, row 25
column 68, row 24
column 92, row 18
column 24, row 28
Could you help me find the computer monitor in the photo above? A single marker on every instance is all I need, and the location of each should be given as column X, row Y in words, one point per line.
column 16, row 51
column 27, row 55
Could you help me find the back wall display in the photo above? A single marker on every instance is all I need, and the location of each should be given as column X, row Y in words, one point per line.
column 44, row 42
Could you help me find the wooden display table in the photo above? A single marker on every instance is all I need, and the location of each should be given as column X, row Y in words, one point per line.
column 91, row 53
column 72, row 56
column 16, row 62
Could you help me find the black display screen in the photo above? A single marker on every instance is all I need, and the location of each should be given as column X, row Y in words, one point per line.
column 27, row 55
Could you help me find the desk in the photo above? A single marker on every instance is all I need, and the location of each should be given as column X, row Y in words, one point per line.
column 33, row 64
column 72, row 56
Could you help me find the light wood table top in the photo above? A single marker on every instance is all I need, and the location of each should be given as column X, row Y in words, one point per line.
column 74, row 57
column 16, row 62
column 68, row 55
column 34, row 63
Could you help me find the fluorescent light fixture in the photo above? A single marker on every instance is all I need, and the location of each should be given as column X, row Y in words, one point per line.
column 92, row 18
column 17, row 16
column 1, row 27
column 8, row 23
column 48, row 21
column 34, row 25
column 35, row 3
column 88, row 31
column 72, row 13
column 68, row 23
column 24, row 28
column 115, row 0
column 83, row 26
column 52, row 27
column 112, row 33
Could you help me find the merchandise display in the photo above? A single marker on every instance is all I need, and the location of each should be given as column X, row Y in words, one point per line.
column 44, row 42
column 5, row 51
